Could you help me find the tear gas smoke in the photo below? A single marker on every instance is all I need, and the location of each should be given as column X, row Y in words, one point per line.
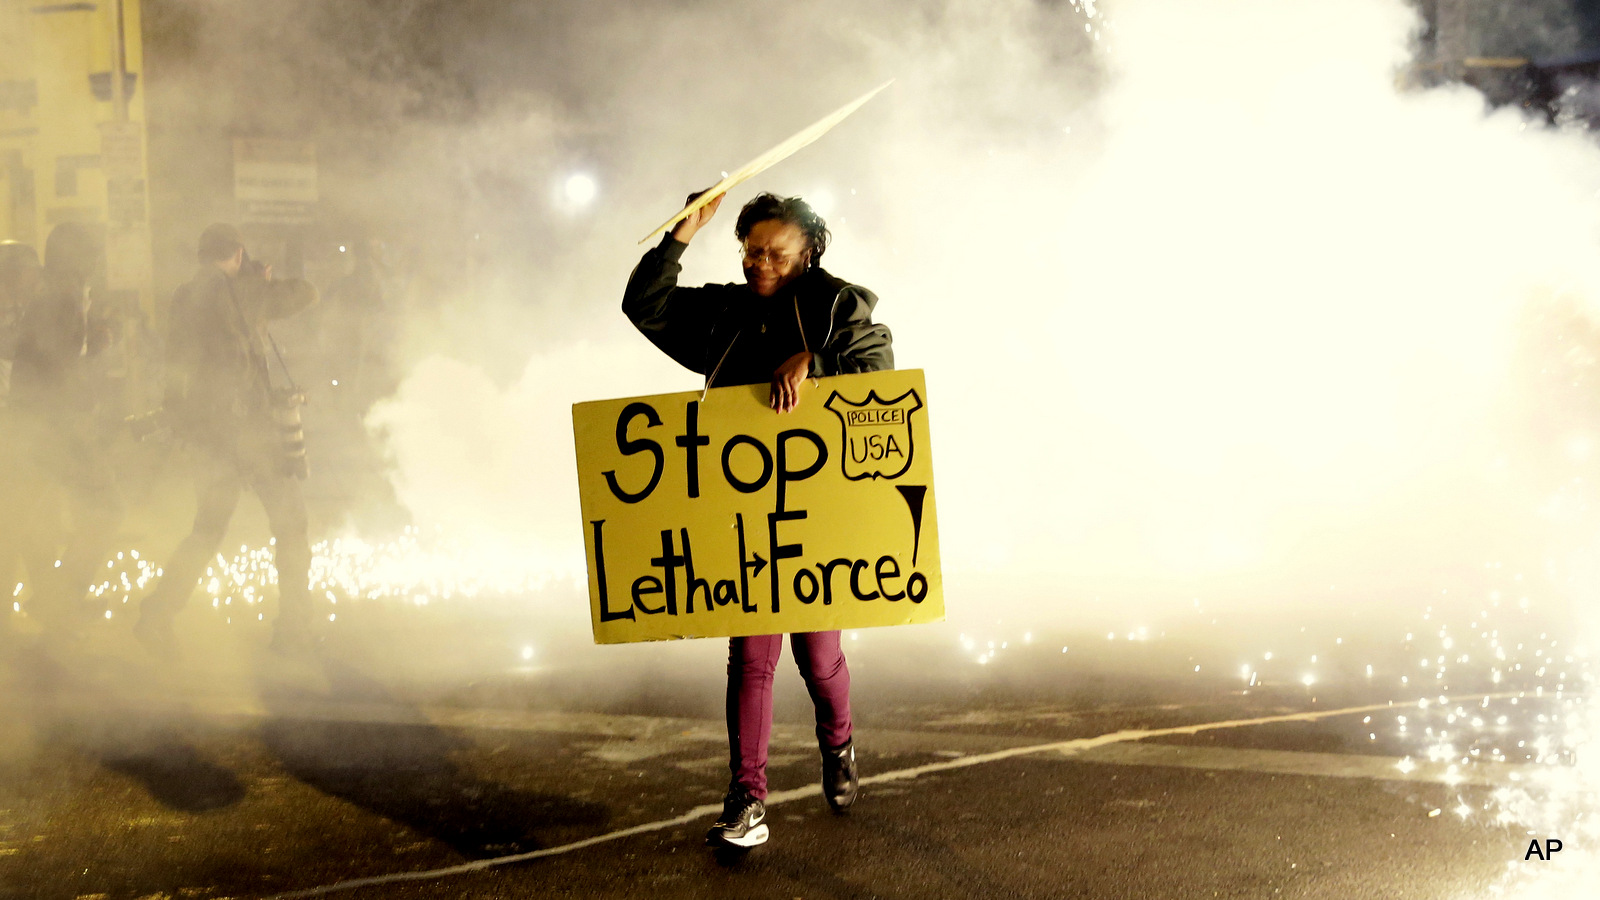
column 1237, row 325
column 1209, row 307
column 1237, row 321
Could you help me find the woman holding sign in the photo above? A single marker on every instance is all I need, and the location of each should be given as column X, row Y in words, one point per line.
column 789, row 321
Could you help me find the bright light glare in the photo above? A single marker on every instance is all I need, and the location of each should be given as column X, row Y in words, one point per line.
column 580, row 189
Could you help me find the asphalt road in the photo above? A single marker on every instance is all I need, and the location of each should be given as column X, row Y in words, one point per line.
column 1112, row 771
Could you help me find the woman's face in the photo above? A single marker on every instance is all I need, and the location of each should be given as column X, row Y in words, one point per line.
column 775, row 253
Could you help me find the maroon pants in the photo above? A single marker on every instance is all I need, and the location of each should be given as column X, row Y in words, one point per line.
column 751, row 663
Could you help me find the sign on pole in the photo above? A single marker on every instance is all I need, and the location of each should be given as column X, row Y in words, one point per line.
column 718, row 517
column 275, row 181
column 128, row 265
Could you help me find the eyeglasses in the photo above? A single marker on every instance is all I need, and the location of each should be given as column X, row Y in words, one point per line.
column 778, row 260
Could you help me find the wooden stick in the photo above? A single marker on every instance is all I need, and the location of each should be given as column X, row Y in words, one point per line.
column 770, row 158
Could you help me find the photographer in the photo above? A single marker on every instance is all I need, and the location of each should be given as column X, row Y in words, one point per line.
column 243, row 433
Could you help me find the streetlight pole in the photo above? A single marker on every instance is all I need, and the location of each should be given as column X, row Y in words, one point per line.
column 119, row 64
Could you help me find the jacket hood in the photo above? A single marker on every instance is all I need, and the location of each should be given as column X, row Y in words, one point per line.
column 820, row 283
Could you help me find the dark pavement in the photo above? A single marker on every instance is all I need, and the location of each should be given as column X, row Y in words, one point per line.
column 1035, row 773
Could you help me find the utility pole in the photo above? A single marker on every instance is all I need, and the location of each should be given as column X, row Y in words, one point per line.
column 128, row 264
column 119, row 64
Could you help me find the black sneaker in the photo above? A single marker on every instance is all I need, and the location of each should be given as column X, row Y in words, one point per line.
column 840, row 778
column 743, row 822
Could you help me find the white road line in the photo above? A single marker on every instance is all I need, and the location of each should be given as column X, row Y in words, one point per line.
column 776, row 798
column 1316, row 765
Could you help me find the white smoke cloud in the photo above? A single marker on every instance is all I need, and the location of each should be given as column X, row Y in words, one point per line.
column 1199, row 291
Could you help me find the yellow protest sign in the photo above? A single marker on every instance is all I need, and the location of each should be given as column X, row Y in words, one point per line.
column 719, row 517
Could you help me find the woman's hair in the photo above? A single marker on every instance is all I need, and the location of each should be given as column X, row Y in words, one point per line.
column 790, row 211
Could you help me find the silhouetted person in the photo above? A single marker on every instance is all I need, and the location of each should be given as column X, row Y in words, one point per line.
column 19, row 281
column 62, row 424
column 790, row 320
column 221, row 401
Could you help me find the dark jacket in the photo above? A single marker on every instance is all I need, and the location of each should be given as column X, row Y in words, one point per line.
column 58, row 337
column 219, row 389
column 731, row 335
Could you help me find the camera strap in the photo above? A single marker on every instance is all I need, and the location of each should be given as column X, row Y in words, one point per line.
column 281, row 364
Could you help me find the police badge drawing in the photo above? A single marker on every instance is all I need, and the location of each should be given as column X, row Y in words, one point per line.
column 717, row 517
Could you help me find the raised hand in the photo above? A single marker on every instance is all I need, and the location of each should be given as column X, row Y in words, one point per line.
column 692, row 223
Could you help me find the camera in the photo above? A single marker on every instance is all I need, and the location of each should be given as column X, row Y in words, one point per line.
column 286, row 405
column 252, row 268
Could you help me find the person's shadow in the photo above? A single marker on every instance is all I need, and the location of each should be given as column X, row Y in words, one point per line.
column 409, row 772
column 77, row 699
column 178, row 777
